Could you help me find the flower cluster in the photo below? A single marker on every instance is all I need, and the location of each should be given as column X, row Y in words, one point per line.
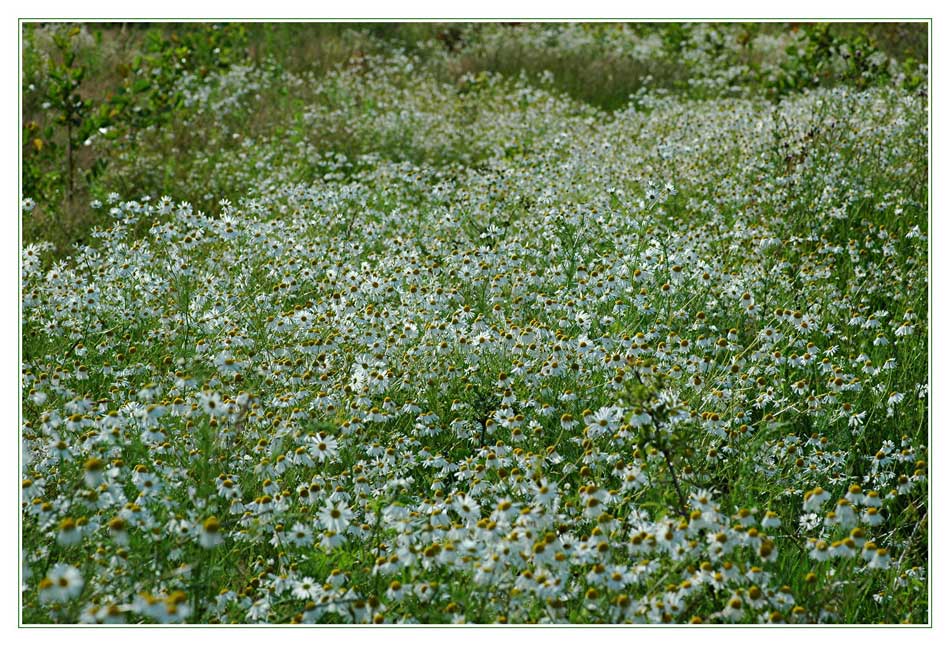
column 666, row 364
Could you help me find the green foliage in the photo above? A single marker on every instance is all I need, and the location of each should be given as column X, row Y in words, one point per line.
column 827, row 57
column 74, row 131
column 55, row 145
column 150, row 93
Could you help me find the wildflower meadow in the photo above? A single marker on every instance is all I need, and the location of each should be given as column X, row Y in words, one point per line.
column 474, row 323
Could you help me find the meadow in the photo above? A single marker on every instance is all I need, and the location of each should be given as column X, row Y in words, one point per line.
column 474, row 323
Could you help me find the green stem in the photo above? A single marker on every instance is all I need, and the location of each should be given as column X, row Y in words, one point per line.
column 676, row 484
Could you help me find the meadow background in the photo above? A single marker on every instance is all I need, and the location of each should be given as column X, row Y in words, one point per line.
column 474, row 322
